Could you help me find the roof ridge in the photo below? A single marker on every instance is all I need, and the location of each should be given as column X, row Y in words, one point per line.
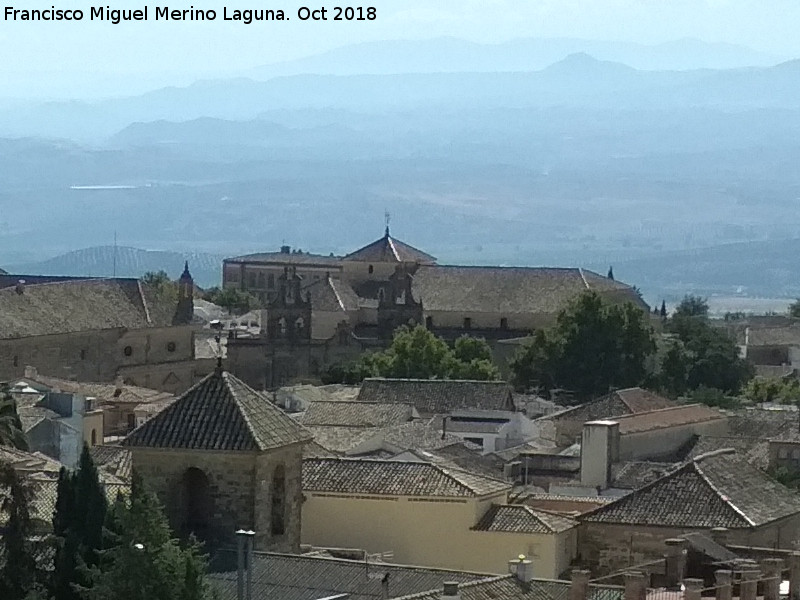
column 335, row 293
column 665, row 409
column 142, row 297
column 225, row 376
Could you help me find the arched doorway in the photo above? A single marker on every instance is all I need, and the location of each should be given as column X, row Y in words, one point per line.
column 196, row 504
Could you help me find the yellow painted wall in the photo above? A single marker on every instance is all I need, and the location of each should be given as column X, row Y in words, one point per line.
column 431, row 533
column 93, row 421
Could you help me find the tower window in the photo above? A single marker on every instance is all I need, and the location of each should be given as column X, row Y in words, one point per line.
column 371, row 269
column 467, row 323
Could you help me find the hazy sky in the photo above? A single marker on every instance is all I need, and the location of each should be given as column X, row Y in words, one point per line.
column 41, row 57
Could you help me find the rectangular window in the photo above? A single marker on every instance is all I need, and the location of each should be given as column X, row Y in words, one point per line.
column 467, row 323
column 503, row 323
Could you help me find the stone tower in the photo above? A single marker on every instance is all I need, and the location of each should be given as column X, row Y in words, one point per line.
column 222, row 458
column 184, row 312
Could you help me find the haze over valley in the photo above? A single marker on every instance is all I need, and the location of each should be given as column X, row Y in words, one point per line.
column 674, row 162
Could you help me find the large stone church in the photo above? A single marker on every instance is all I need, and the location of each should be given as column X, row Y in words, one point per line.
column 322, row 310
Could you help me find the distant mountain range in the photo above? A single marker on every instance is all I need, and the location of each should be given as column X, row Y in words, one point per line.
column 579, row 80
column 100, row 261
column 452, row 55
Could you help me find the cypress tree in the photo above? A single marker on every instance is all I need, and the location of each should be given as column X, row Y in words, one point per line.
column 18, row 571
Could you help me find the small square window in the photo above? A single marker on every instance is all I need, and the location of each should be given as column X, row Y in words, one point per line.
column 171, row 347
column 128, row 351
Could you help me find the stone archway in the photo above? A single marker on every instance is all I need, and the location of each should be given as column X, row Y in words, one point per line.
column 196, row 506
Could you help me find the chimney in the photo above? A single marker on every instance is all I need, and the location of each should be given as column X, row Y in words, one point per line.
column 450, row 591
column 522, row 568
column 244, row 548
column 20, row 287
column 599, row 450
column 385, row 586
column 31, row 372
column 286, row 249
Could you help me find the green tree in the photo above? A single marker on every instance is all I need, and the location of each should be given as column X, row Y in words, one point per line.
column 692, row 306
column 794, row 309
column 78, row 520
column 713, row 397
column 417, row 353
column 18, row 575
column 235, row 301
column 783, row 391
column 165, row 288
column 11, row 432
column 593, row 348
column 710, row 357
column 142, row 560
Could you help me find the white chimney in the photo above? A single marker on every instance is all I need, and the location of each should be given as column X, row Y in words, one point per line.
column 599, row 450
column 521, row 568
column 31, row 372
column 450, row 591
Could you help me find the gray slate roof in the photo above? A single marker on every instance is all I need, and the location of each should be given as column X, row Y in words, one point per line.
column 81, row 305
column 715, row 490
column 518, row 518
column 301, row 577
column 394, row 478
column 439, row 396
column 356, row 414
column 508, row 587
column 220, row 412
column 509, row 290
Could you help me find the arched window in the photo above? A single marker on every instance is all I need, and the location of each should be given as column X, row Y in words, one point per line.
column 282, row 326
column 278, row 514
column 298, row 325
column 94, row 437
column 196, row 505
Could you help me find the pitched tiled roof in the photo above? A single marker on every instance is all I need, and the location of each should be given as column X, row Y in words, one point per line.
column 509, row 290
column 761, row 423
column 667, row 417
column 774, row 336
column 633, row 474
column 331, row 295
column 518, row 518
column 342, row 440
column 508, row 587
column 103, row 392
column 753, row 450
column 715, row 490
column 617, row 403
column 461, row 456
column 394, row 478
column 357, row 414
column 303, row 577
column 389, row 249
column 81, row 305
column 293, row 258
column 219, row 413
column 439, row 396
column 114, row 459
column 419, row 434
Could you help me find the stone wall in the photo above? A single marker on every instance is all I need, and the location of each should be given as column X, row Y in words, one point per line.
column 239, row 489
column 606, row 548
